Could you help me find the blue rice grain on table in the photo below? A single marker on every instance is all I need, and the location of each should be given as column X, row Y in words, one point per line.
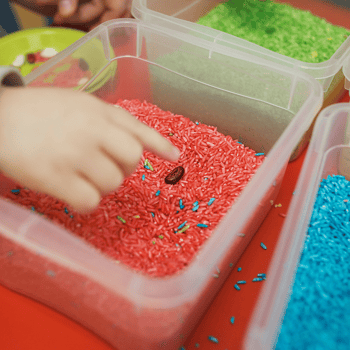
column 213, row 339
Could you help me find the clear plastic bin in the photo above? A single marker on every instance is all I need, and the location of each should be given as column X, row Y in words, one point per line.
column 328, row 154
column 186, row 13
column 126, row 308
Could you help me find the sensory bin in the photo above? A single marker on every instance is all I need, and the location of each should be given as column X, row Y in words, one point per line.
column 325, row 66
column 244, row 76
column 165, row 230
column 281, row 28
column 278, row 27
column 316, row 316
column 144, row 306
column 305, row 297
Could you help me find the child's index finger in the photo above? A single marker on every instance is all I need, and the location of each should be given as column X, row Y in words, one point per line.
column 150, row 139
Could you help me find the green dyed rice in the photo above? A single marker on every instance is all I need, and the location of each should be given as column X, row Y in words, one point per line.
column 278, row 27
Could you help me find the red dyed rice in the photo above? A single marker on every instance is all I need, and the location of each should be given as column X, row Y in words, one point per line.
column 207, row 154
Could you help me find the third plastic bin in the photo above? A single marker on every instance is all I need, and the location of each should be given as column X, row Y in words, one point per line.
column 328, row 154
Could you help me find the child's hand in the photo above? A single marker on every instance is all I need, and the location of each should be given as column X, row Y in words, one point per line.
column 71, row 145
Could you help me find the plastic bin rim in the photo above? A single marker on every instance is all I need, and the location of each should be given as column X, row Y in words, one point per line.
column 212, row 46
column 102, row 29
column 332, row 110
column 333, row 65
column 346, row 72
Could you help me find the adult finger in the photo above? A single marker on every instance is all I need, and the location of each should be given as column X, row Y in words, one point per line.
column 107, row 16
column 84, row 14
column 91, row 10
column 114, row 9
column 67, row 8
column 150, row 139
column 117, row 6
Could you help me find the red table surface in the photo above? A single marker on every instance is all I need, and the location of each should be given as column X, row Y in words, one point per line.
column 27, row 324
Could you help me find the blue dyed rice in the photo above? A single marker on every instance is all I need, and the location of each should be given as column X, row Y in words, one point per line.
column 317, row 316
column 211, row 201
column 182, row 225
column 195, row 208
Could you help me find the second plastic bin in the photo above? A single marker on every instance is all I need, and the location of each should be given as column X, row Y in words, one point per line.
column 186, row 13
column 123, row 61
column 328, row 154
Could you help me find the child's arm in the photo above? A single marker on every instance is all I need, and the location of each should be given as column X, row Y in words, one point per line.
column 70, row 144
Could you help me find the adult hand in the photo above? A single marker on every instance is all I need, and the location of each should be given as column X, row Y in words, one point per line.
column 94, row 11
column 82, row 14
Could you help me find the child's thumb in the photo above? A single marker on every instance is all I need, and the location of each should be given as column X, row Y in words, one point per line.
column 67, row 8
